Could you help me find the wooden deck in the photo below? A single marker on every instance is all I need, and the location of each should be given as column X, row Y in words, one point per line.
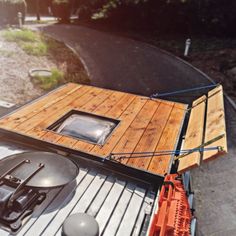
column 146, row 125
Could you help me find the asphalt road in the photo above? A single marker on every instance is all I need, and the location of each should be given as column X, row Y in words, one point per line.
column 128, row 65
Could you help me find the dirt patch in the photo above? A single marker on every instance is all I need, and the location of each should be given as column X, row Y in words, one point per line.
column 15, row 83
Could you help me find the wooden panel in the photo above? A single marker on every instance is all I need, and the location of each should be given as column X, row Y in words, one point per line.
column 32, row 109
column 151, row 136
column 127, row 117
column 135, row 131
column 88, row 107
column 46, row 114
column 168, row 141
column 88, row 95
column 215, row 123
column 194, row 135
column 101, row 110
column 141, row 126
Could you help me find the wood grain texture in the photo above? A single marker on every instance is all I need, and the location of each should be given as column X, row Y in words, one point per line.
column 144, row 123
column 215, row 123
column 126, row 119
column 151, row 136
column 168, row 141
column 194, row 135
column 32, row 109
column 136, row 129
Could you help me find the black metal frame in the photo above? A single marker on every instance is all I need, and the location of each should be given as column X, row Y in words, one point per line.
column 141, row 175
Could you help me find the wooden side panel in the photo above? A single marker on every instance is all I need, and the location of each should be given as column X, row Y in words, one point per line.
column 160, row 164
column 215, row 123
column 194, row 135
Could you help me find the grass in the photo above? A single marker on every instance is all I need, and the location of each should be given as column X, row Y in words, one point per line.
column 50, row 82
column 6, row 53
column 31, row 42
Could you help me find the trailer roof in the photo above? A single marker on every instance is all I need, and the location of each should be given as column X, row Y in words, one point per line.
column 118, row 203
column 143, row 124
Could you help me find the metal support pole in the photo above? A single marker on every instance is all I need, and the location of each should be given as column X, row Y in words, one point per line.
column 20, row 17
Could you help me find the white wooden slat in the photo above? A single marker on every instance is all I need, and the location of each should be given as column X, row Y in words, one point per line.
column 131, row 213
column 64, row 212
column 60, row 201
column 39, row 210
column 47, row 205
column 108, row 206
column 90, row 194
column 146, row 209
column 101, row 196
column 120, row 209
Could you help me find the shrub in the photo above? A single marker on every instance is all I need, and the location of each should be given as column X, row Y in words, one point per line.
column 9, row 10
column 50, row 82
column 61, row 10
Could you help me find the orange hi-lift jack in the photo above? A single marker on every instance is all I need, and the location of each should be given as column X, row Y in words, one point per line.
column 174, row 215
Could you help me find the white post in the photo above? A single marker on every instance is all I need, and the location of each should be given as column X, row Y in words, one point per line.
column 20, row 19
column 187, row 47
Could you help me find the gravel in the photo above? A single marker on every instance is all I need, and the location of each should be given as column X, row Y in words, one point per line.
column 15, row 83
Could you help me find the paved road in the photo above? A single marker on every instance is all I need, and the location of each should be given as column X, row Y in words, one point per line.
column 127, row 65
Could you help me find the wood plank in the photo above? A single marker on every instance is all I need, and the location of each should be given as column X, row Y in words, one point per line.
column 109, row 103
column 160, row 164
column 194, row 135
column 136, row 129
column 151, row 136
column 215, row 123
column 127, row 117
column 101, row 110
column 88, row 107
column 40, row 129
column 116, row 109
column 51, row 110
column 38, row 105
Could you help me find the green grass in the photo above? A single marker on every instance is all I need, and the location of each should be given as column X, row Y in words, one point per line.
column 6, row 53
column 35, row 49
column 48, row 83
column 31, row 42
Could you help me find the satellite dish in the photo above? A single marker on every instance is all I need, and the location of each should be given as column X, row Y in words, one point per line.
column 39, row 169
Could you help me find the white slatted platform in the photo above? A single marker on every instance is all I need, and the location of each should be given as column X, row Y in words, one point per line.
column 119, row 205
